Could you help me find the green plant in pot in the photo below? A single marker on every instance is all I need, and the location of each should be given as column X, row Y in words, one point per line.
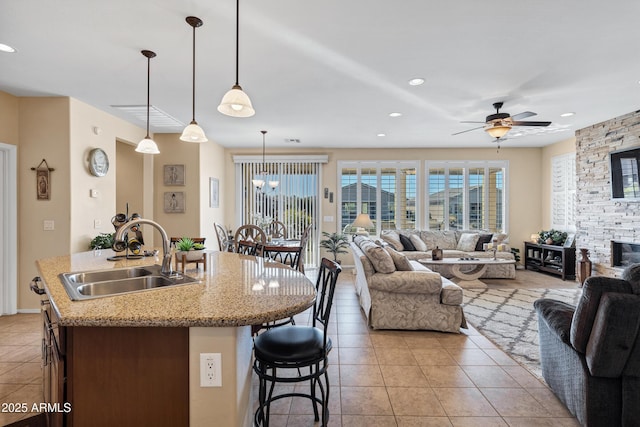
column 335, row 244
column 190, row 248
column 102, row 241
column 552, row 237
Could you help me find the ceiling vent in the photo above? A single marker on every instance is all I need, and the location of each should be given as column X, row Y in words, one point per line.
column 292, row 140
column 158, row 119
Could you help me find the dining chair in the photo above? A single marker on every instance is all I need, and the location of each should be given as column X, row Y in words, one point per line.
column 249, row 239
column 277, row 229
column 296, row 353
column 223, row 238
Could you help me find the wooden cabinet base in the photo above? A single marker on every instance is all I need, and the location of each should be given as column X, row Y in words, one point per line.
column 128, row 376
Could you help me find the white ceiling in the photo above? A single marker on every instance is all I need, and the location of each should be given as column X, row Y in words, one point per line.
column 329, row 72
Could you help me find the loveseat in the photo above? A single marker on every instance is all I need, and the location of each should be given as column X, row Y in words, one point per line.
column 417, row 244
column 590, row 354
column 397, row 293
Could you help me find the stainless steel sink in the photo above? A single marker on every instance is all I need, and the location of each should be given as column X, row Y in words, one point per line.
column 103, row 283
column 107, row 275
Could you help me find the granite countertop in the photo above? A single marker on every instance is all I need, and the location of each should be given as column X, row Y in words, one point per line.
column 236, row 290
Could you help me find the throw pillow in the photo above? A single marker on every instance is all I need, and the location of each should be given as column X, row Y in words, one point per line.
column 482, row 239
column 379, row 258
column 418, row 243
column 393, row 238
column 468, row 241
column 400, row 260
column 406, row 243
column 632, row 275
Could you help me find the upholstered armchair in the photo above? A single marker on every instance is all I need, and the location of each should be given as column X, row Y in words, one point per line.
column 590, row 354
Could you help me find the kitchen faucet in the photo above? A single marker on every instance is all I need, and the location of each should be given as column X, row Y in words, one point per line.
column 166, row 250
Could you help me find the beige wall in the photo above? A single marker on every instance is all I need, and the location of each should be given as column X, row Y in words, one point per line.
column 129, row 171
column 524, row 169
column 548, row 153
column 212, row 165
column 44, row 134
column 85, row 210
column 175, row 152
column 9, row 114
column 60, row 130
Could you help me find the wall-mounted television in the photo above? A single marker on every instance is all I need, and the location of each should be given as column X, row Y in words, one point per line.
column 624, row 166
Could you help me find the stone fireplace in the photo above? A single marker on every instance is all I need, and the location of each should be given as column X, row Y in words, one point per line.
column 601, row 220
column 624, row 253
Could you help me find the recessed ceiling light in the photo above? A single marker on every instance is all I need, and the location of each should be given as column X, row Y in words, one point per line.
column 416, row 82
column 569, row 114
column 382, row 134
column 6, row 48
column 395, row 114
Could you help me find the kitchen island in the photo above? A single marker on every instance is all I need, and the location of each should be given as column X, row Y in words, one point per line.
column 134, row 359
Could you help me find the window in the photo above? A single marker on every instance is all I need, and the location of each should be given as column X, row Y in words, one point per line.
column 384, row 190
column 563, row 192
column 294, row 201
column 466, row 195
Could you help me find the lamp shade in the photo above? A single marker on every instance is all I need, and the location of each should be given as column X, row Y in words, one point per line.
column 147, row 146
column 193, row 133
column 236, row 103
column 363, row 220
column 498, row 130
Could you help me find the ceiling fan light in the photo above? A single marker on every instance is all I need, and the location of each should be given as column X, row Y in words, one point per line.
column 193, row 133
column 147, row 146
column 236, row 103
column 273, row 184
column 258, row 183
column 498, row 130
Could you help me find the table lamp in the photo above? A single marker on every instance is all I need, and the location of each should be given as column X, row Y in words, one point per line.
column 362, row 221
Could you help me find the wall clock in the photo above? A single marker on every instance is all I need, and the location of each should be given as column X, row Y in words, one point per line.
column 98, row 162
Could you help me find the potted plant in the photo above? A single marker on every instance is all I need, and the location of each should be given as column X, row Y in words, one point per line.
column 552, row 237
column 102, row 241
column 335, row 244
column 188, row 247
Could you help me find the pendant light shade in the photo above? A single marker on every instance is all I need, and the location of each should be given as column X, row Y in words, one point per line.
column 236, row 103
column 193, row 132
column 147, row 145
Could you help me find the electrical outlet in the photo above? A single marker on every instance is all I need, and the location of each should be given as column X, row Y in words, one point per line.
column 210, row 370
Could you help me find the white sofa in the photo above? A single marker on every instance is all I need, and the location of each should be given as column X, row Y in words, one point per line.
column 454, row 244
column 409, row 299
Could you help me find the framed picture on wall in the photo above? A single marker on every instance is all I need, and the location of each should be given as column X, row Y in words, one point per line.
column 568, row 243
column 173, row 175
column 214, row 193
column 174, row 202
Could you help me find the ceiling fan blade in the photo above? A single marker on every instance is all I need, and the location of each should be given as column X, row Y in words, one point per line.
column 524, row 115
column 467, row 121
column 531, row 123
column 468, row 130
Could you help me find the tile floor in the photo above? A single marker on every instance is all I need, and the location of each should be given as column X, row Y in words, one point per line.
column 378, row 378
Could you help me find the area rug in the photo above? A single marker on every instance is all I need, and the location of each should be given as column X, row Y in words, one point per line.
column 508, row 319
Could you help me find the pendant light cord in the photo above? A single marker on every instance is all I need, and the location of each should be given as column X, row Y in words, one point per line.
column 193, row 79
column 148, row 90
column 237, row 37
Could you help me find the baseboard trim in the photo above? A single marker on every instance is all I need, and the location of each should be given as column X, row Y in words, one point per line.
column 28, row 311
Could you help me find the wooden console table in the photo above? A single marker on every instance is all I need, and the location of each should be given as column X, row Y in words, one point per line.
column 550, row 259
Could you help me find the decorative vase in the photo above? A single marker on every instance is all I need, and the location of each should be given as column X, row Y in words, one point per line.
column 584, row 266
column 549, row 241
column 436, row 254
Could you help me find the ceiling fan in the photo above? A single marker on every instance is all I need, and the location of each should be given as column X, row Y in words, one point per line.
column 497, row 125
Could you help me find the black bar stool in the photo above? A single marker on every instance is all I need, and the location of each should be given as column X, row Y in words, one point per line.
column 304, row 348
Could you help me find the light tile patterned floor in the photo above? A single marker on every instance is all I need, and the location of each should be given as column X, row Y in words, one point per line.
column 378, row 378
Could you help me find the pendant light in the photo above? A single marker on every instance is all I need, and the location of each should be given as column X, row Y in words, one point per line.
column 193, row 132
column 147, row 145
column 261, row 179
column 236, row 103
